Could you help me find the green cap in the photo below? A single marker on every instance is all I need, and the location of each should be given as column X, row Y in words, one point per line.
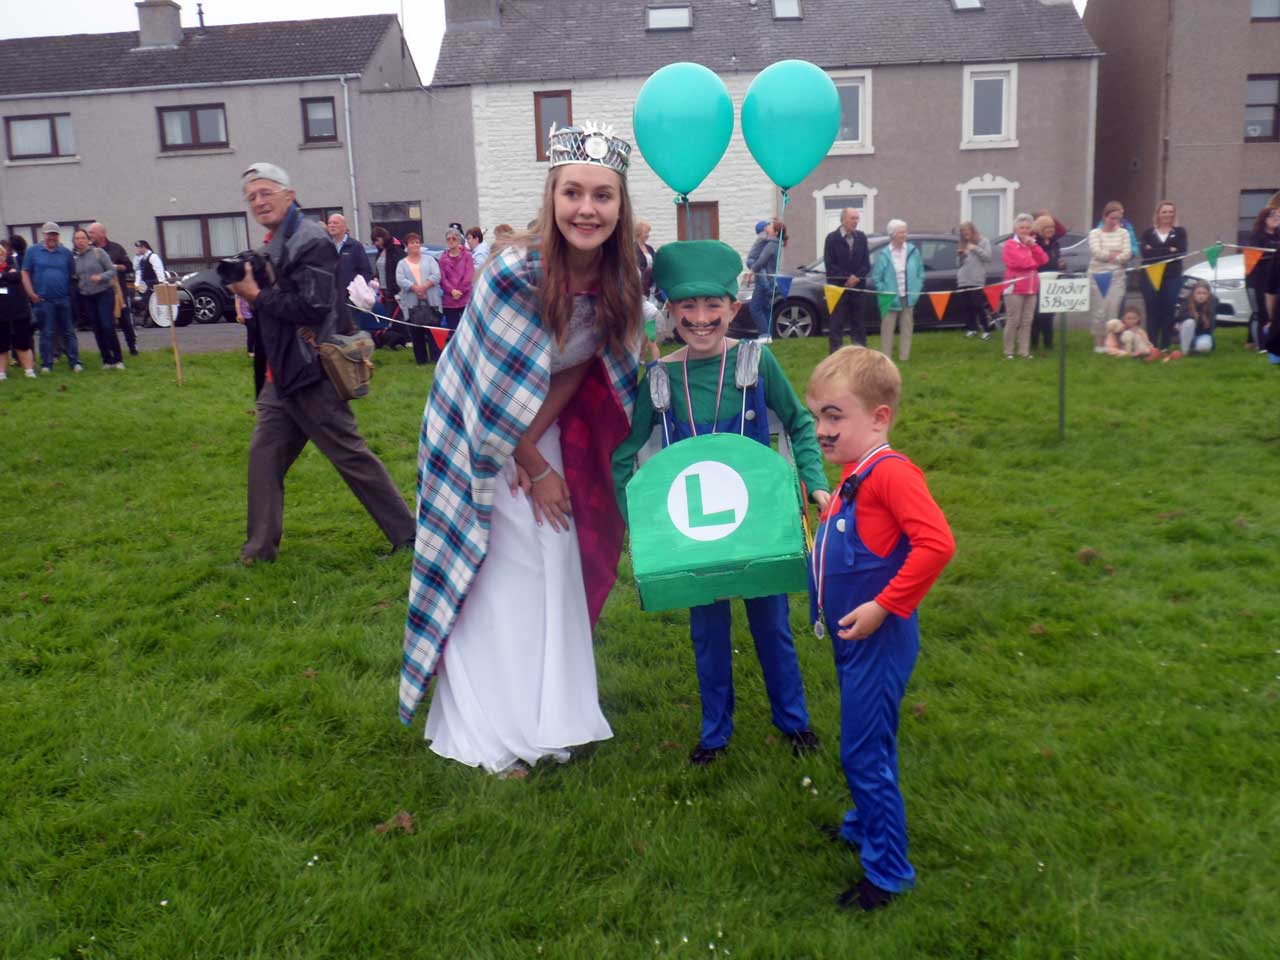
column 697, row 268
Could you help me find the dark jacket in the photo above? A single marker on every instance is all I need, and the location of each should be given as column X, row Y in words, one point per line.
column 304, row 295
column 395, row 253
column 120, row 257
column 843, row 263
column 1052, row 250
column 14, row 304
column 1174, row 245
column 352, row 262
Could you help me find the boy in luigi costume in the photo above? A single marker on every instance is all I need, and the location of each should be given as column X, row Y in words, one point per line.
column 686, row 394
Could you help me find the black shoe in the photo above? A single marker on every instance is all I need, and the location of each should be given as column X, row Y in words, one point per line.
column 866, row 896
column 133, row 351
column 804, row 742
column 401, row 547
column 832, row 832
column 705, row 756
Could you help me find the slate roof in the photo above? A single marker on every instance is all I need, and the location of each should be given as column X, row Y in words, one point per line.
column 567, row 39
column 239, row 51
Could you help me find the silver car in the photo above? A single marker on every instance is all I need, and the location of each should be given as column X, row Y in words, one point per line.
column 1228, row 285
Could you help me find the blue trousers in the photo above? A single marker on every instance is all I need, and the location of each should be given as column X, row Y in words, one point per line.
column 873, row 675
column 54, row 319
column 713, row 653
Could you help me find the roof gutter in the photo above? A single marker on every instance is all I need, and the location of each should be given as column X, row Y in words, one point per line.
column 176, row 86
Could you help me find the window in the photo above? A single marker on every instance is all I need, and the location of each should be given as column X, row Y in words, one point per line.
column 834, row 197
column 854, row 135
column 787, row 10
column 990, row 107
column 669, row 18
column 391, row 212
column 321, row 213
column 319, row 124
column 1262, row 109
column 1265, row 10
column 550, row 106
column 988, row 201
column 966, row 4
column 31, row 231
column 204, row 237
column 35, row 137
column 193, row 128
column 1251, row 202
column 939, row 253
column 700, row 222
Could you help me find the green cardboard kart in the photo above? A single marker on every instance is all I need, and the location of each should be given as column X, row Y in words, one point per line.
column 712, row 517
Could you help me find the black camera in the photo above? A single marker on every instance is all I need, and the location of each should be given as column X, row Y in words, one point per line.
column 231, row 269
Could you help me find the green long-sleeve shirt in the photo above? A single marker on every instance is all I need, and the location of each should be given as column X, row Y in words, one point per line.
column 704, row 377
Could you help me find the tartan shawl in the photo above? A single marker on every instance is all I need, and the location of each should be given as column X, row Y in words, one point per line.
column 489, row 383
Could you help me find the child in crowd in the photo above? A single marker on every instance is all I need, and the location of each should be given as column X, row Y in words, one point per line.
column 700, row 278
column 1198, row 319
column 1126, row 338
column 881, row 544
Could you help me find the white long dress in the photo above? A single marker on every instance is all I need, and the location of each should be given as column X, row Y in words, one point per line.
column 517, row 681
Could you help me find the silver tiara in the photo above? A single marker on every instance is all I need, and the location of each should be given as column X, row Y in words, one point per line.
column 590, row 143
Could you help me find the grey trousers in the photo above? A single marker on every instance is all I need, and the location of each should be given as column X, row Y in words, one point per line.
column 284, row 426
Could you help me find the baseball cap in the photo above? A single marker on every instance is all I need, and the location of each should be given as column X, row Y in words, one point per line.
column 266, row 171
column 761, row 224
column 50, row 227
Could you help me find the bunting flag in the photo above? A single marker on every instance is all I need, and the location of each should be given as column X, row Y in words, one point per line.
column 1251, row 257
column 783, row 285
column 886, row 301
column 1156, row 272
column 833, row 297
column 994, row 293
column 939, row 301
column 440, row 335
column 1103, row 280
column 1212, row 253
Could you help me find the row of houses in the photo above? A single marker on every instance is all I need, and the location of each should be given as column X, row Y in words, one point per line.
column 951, row 110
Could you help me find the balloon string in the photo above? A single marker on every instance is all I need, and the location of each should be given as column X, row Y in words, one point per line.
column 777, row 261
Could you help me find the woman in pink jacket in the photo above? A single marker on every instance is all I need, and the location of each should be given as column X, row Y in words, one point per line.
column 457, row 267
column 1022, row 259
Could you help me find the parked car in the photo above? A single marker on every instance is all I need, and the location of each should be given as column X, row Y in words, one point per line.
column 1228, row 285
column 203, row 298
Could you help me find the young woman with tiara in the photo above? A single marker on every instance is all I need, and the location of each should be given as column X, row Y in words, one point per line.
column 518, row 532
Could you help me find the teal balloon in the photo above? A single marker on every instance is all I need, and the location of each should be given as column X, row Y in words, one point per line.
column 790, row 119
column 683, row 121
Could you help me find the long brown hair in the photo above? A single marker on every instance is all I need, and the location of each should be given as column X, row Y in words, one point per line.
column 1202, row 312
column 618, row 316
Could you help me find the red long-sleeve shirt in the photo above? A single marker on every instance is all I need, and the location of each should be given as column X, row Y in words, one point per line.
column 892, row 501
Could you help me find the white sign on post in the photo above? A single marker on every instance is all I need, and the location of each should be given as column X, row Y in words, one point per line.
column 1062, row 295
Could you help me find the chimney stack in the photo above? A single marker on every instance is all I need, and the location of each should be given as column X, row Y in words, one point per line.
column 467, row 14
column 159, row 24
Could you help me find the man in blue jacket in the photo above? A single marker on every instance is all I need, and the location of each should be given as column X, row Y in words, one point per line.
column 352, row 262
column 47, row 271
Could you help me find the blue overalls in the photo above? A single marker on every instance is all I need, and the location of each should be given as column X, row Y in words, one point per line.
column 873, row 675
column 768, row 616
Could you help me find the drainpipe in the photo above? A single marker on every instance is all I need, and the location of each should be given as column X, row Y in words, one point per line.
column 351, row 161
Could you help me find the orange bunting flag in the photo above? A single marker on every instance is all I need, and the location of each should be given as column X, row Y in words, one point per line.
column 939, row 301
column 1251, row 258
column 833, row 296
column 994, row 293
column 440, row 335
column 1156, row 274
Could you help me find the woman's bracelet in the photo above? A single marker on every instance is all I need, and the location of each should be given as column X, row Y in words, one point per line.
column 543, row 475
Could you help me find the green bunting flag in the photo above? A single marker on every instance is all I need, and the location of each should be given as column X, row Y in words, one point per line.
column 886, row 301
column 1212, row 253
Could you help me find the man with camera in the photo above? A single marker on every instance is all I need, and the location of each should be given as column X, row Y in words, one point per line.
column 290, row 284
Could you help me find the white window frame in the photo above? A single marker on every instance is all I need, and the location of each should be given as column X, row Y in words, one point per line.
column 661, row 8
column 1009, row 139
column 864, row 145
column 843, row 188
column 798, row 15
column 988, row 184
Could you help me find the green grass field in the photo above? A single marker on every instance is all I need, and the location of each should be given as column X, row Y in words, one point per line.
column 196, row 755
